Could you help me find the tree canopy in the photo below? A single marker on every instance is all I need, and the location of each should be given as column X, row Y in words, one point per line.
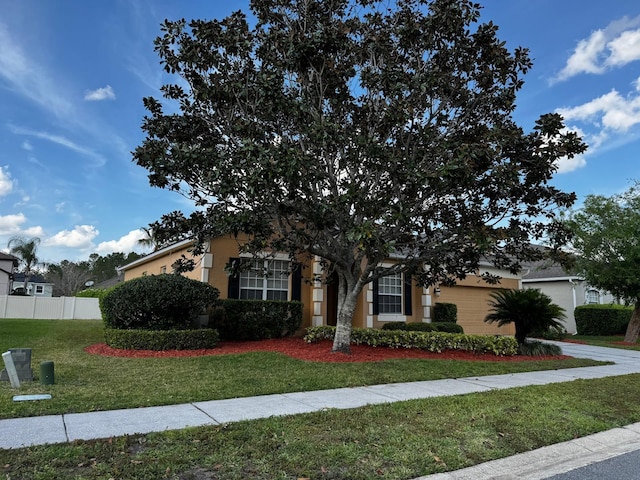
column 70, row 277
column 353, row 130
column 607, row 247
column 26, row 249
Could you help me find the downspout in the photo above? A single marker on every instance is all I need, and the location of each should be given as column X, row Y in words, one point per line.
column 573, row 291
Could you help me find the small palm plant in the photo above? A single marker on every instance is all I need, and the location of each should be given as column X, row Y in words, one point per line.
column 529, row 310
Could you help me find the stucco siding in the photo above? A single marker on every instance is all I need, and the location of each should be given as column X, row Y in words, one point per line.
column 472, row 297
column 319, row 302
column 562, row 293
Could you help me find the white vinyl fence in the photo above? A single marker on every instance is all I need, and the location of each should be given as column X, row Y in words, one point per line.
column 56, row 308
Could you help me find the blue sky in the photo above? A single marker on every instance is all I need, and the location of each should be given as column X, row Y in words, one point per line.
column 73, row 74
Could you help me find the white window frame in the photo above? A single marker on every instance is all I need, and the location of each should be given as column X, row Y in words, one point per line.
column 38, row 287
column 590, row 294
column 267, row 279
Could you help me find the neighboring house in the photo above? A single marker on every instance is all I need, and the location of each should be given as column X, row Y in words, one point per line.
column 37, row 285
column 391, row 298
column 8, row 264
column 568, row 290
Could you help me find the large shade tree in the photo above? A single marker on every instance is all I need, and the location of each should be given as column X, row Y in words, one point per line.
column 26, row 249
column 353, row 130
column 607, row 247
column 68, row 277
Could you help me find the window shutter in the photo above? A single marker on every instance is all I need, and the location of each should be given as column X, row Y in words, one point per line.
column 406, row 292
column 376, row 305
column 234, row 282
column 296, row 282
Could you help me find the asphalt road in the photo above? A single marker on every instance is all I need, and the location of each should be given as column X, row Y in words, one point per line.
column 623, row 467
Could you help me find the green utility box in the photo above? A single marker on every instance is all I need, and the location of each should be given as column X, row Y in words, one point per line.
column 46, row 373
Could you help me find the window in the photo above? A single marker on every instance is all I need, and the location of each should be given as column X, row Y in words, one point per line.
column 39, row 289
column 163, row 269
column 390, row 294
column 266, row 280
column 593, row 296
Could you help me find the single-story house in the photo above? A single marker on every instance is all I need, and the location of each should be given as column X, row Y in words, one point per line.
column 568, row 290
column 8, row 264
column 391, row 298
column 37, row 285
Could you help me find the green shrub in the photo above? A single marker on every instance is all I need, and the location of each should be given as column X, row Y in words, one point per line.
column 448, row 327
column 161, row 339
column 530, row 310
column 157, row 302
column 602, row 319
column 394, row 326
column 256, row 319
column 445, row 312
column 551, row 333
column 537, row 349
column 429, row 341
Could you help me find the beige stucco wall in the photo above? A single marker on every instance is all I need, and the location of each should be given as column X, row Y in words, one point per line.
column 165, row 258
column 470, row 295
column 210, row 268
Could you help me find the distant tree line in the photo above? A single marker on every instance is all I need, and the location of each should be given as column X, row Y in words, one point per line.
column 71, row 277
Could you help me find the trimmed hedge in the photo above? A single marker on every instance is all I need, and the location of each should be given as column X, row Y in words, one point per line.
column 445, row 312
column 157, row 302
column 602, row 319
column 447, row 327
column 256, row 319
column 430, row 341
column 161, row 339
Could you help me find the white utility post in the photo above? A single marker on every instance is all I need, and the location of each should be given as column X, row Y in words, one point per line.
column 11, row 369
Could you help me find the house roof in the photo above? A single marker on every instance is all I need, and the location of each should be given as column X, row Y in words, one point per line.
column 6, row 256
column 548, row 270
column 109, row 282
column 33, row 278
column 158, row 253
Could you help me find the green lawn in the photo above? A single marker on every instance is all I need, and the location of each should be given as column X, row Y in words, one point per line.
column 613, row 341
column 89, row 382
column 395, row 441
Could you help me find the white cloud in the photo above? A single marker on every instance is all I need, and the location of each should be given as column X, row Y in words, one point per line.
column 610, row 111
column 27, row 146
column 34, row 232
column 6, row 184
column 624, row 49
column 62, row 141
column 125, row 244
column 614, row 46
column 104, row 93
column 28, row 78
column 585, row 57
column 10, row 224
column 566, row 165
column 60, row 207
column 80, row 237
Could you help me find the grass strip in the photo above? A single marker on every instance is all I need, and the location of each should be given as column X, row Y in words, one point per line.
column 85, row 383
column 611, row 341
column 395, row 441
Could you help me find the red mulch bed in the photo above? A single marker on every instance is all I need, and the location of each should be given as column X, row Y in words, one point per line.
column 312, row 352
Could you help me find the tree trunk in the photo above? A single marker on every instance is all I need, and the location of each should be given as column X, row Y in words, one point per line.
column 348, row 293
column 634, row 326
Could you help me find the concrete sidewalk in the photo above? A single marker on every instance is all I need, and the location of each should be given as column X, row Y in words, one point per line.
column 23, row 432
